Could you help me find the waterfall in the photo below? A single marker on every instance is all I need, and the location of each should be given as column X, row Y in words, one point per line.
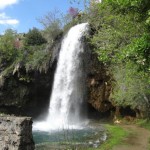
column 68, row 90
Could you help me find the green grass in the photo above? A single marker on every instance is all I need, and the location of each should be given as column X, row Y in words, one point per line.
column 116, row 134
column 143, row 123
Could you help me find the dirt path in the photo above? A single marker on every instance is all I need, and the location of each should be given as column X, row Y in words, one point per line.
column 138, row 140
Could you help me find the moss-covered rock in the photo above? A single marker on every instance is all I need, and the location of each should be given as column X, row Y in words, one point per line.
column 26, row 91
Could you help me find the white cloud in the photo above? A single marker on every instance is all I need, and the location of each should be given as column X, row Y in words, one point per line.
column 5, row 3
column 6, row 20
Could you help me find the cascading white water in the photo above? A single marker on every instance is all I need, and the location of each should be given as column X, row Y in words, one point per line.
column 68, row 87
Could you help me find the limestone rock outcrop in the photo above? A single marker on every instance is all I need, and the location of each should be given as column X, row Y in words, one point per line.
column 16, row 133
column 99, row 85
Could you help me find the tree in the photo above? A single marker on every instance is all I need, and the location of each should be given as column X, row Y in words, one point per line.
column 114, row 31
column 8, row 51
column 131, row 87
column 73, row 12
column 121, row 36
column 52, row 24
column 136, row 5
column 139, row 53
column 34, row 37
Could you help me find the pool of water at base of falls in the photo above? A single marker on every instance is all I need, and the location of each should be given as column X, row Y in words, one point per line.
column 91, row 135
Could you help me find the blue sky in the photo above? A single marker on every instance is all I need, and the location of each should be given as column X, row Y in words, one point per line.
column 22, row 15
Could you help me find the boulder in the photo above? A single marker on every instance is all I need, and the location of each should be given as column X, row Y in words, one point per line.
column 16, row 133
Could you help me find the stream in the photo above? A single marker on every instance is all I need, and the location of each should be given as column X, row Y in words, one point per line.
column 89, row 136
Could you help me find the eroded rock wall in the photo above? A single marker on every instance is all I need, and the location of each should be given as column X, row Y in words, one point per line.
column 27, row 93
column 16, row 133
column 99, row 85
column 31, row 98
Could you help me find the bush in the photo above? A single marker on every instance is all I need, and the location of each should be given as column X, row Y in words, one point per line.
column 34, row 37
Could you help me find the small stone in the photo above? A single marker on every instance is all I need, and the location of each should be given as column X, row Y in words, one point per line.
column 95, row 145
column 97, row 141
column 90, row 143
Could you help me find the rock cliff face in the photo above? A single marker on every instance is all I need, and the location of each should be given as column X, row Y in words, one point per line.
column 99, row 88
column 16, row 133
column 32, row 98
column 23, row 97
column 98, row 84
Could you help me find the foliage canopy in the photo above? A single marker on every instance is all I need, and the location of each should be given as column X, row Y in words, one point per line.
column 121, row 38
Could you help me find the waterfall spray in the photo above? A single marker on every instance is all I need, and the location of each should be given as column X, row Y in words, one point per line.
column 68, row 88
